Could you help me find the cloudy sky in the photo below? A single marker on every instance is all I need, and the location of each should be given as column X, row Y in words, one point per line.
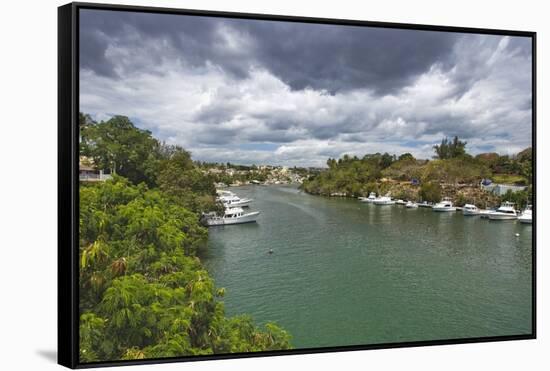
column 285, row 93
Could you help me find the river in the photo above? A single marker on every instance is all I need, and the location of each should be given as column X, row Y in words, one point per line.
column 344, row 272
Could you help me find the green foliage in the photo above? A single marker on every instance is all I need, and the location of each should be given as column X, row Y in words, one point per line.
column 143, row 291
column 450, row 149
column 430, row 191
column 119, row 146
column 405, row 156
column 510, row 169
column 462, row 169
column 349, row 175
column 406, row 168
column 188, row 186
column 521, row 198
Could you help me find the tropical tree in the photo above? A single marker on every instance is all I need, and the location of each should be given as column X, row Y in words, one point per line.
column 122, row 148
column 450, row 149
column 143, row 291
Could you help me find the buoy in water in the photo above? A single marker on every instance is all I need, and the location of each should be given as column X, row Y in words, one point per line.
column 270, row 251
column 517, row 234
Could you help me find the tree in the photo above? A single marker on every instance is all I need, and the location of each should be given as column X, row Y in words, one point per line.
column 143, row 291
column 430, row 192
column 406, row 156
column 119, row 146
column 450, row 149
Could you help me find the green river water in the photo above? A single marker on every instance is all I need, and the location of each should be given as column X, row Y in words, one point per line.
column 344, row 272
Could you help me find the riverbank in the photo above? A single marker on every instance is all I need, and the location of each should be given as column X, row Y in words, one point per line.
column 460, row 194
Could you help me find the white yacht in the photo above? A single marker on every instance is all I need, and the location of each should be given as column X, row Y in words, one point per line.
column 445, row 205
column 232, row 215
column 371, row 198
column 233, row 201
column 506, row 211
column 400, row 202
column 384, row 200
column 411, row 205
column 470, row 209
column 527, row 216
column 484, row 213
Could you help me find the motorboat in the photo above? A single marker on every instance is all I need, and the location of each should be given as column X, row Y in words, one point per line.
column 411, row 205
column 400, row 202
column 484, row 213
column 384, row 200
column 470, row 210
column 445, row 205
column 506, row 211
column 370, row 199
column 224, row 193
column 526, row 216
column 232, row 215
column 234, row 201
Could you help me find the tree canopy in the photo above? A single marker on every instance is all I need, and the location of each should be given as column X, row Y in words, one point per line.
column 450, row 149
column 117, row 145
column 143, row 291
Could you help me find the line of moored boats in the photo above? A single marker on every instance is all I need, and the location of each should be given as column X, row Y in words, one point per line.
column 233, row 210
column 506, row 211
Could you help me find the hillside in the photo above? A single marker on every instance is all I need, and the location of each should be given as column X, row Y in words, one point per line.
column 452, row 173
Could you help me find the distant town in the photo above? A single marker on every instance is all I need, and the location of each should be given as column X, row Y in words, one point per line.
column 237, row 175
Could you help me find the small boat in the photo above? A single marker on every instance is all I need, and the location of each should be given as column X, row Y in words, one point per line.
column 384, row 200
column 400, row 202
column 232, row 201
column 223, row 192
column 425, row 204
column 506, row 211
column 470, row 210
column 411, row 205
column 232, row 215
column 370, row 199
column 445, row 205
column 527, row 216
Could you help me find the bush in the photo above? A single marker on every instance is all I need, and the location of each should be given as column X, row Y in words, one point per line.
column 430, row 191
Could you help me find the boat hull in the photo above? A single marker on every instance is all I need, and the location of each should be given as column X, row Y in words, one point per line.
column 526, row 220
column 499, row 216
column 238, row 203
column 443, row 209
column 247, row 218
column 470, row 213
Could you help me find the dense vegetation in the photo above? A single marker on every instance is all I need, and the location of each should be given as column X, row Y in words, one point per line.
column 452, row 169
column 143, row 291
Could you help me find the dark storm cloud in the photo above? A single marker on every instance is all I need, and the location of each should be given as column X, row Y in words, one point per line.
column 302, row 92
column 322, row 57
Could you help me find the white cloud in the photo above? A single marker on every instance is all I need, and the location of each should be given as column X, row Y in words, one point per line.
column 483, row 98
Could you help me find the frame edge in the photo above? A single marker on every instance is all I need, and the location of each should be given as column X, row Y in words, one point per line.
column 67, row 335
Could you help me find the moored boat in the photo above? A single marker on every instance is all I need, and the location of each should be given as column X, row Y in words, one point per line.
column 445, row 205
column 384, row 200
column 527, row 216
column 234, row 201
column 232, row 215
column 470, row 210
column 411, row 205
column 370, row 199
column 506, row 211
column 484, row 213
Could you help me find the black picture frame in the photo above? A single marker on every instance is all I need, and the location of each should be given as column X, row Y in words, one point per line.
column 68, row 181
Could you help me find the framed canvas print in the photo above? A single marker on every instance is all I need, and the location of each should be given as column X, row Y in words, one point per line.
column 238, row 185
